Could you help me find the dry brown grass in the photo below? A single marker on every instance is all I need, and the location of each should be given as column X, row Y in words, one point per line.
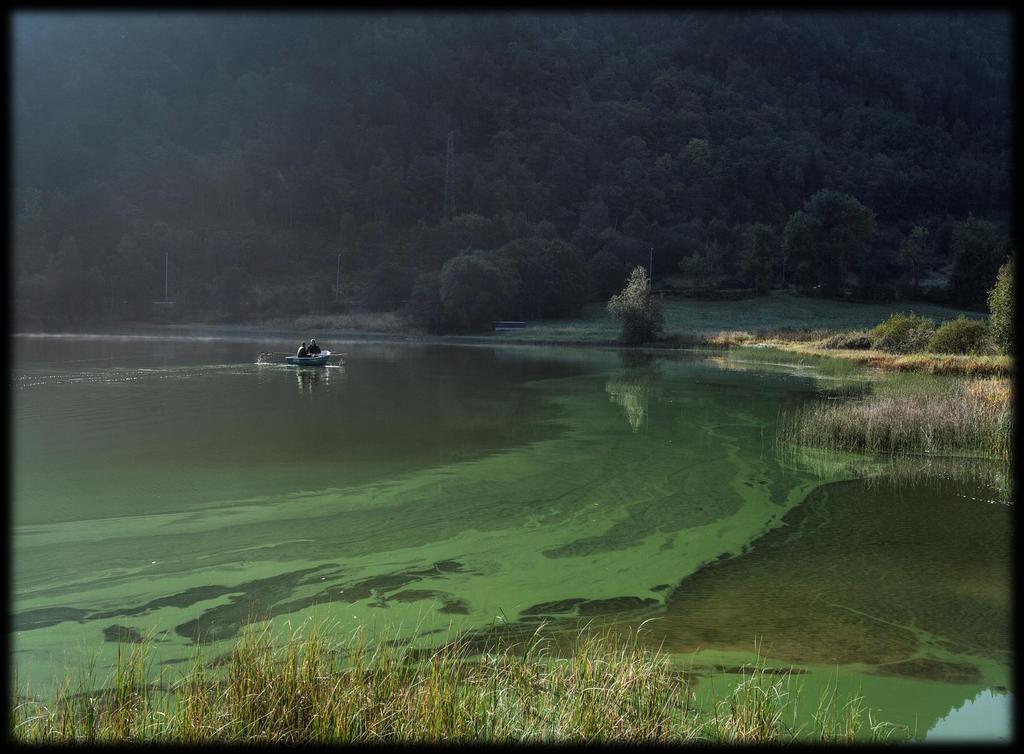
column 993, row 391
column 609, row 688
column 811, row 342
column 952, row 364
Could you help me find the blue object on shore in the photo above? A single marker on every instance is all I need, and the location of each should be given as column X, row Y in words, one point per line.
column 509, row 325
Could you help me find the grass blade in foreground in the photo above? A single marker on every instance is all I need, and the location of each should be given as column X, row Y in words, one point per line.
column 312, row 689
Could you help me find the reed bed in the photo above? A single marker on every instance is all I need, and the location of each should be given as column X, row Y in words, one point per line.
column 766, row 336
column 310, row 689
column 966, row 365
column 962, row 418
column 811, row 343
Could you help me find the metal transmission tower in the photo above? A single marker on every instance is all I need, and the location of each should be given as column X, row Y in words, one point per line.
column 449, row 176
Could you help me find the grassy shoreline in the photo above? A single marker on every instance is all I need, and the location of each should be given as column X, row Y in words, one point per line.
column 812, row 343
column 314, row 688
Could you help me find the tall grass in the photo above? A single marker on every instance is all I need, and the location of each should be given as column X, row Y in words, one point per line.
column 310, row 689
column 961, row 417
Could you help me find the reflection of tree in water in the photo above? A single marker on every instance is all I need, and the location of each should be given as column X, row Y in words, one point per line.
column 633, row 387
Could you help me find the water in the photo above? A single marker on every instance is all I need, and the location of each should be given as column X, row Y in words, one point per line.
column 177, row 488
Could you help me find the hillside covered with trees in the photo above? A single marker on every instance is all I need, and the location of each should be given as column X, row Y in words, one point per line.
column 265, row 156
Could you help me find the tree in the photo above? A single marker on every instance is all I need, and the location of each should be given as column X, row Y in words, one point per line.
column 800, row 261
column 388, row 287
column 476, row 289
column 425, row 308
column 235, row 292
column 756, row 255
column 65, row 272
column 912, row 252
column 827, row 239
column 552, row 277
column 269, row 139
column 976, row 248
column 132, row 279
column 698, row 154
column 1001, row 306
column 605, row 274
column 845, row 228
column 640, row 314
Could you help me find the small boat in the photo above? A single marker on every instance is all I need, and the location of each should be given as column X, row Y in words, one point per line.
column 309, row 361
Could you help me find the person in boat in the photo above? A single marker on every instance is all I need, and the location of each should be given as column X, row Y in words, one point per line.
column 302, row 350
column 314, row 349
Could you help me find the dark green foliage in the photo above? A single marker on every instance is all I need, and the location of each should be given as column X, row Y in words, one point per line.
column 977, row 252
column 912, row 252
column 828, row 239
column 961, row 335
column 388, row 287
column 606, row 274
column 477, row 288
column 801, row 264
column 639, row 312
column 425, row 308
column 876, row 293
column 758, row 255
column 903, row 333
column 271, row 145
column 1001, row 307
column 856, row 339
column 234, row 293
column 552, row 277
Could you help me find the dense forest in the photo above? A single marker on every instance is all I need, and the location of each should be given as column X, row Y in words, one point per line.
column 467, row 166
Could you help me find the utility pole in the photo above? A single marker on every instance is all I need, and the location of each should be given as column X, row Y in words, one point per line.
column 337, row 280
column 167, row 267
column 449, row 188
column 650, row 266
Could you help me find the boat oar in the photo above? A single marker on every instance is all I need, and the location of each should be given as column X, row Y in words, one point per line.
column 268, row 355
column 265, row 355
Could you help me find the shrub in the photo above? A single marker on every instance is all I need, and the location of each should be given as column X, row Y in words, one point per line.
column 640, row 314
column 902, row 333
column 961, row 335
column 1000, row 306
column 851, row 339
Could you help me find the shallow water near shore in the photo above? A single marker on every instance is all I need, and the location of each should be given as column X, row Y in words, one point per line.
column 176, row 488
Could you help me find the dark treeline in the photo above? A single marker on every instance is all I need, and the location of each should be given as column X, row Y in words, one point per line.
column 846, row 154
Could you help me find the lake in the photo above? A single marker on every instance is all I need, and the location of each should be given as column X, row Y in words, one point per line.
column 176, row 488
